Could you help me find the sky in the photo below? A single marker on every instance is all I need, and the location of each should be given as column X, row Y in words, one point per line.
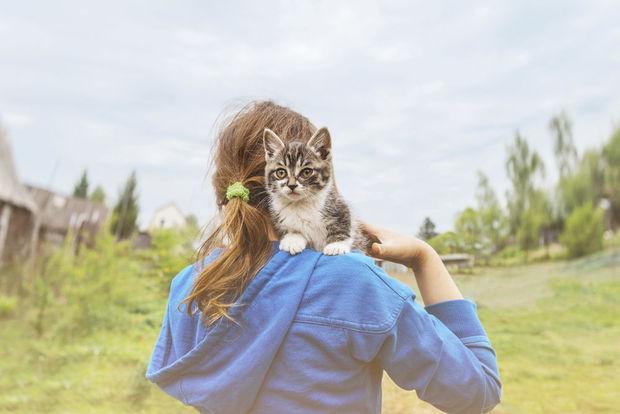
column 418, row 96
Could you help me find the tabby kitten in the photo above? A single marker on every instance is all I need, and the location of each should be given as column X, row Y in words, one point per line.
column 306, row 207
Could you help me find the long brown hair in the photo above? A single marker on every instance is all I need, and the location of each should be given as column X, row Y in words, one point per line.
column 243, row 233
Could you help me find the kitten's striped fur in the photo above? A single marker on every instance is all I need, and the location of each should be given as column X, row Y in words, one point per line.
column 306, row 207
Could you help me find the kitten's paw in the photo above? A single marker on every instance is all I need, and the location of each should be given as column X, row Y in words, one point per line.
column 293, row 243
column 336, row 248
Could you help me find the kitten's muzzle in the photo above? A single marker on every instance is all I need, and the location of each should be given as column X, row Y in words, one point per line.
column 292, row 187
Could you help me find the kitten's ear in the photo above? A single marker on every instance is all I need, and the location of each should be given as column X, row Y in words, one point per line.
column 321, row 143
column 272, row 143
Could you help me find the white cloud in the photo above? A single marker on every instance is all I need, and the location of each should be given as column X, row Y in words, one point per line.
column 417, row 96
column 16, row 120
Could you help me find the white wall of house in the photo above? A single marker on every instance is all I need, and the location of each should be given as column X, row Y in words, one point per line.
column 167, row 217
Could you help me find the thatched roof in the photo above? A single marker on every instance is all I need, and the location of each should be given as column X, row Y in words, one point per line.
column 11, row 189
column 61, row 213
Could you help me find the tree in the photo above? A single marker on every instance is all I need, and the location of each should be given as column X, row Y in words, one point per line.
column 585, row 185
column 535, row 217
column 427, row 229
column 448, row 242
column 125, row 212
column 469, row 229
column 81, row 187
column 491, row 216
column 583, row 233
column 523, row 167
column 611, row 160
column 563, row 144
column 528, row 233
column 98, row 195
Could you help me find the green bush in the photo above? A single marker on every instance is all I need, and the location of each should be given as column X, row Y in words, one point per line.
column 583, row 231
column 448, row 242
column 171, row 250
column 99, row 287
column 7, row 306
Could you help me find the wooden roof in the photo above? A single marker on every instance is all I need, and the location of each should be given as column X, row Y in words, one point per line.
column 61, row 213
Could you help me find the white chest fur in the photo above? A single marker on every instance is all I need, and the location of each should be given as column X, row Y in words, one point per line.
column 304, row 218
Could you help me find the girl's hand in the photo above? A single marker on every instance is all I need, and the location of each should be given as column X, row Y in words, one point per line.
column 395, row 247
column 433, row 279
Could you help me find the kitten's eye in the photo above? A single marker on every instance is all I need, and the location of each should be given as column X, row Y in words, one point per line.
column 280, row 173
column 306, row 172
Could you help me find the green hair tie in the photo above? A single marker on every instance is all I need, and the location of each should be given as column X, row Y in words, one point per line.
column 238, row 190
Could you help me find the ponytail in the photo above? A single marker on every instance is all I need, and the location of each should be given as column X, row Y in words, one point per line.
column 243, row 233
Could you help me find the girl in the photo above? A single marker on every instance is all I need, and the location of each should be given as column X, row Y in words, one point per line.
column 253, row 329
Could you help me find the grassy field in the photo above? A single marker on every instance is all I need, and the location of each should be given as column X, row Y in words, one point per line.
column 556, row 331
column 554, row 325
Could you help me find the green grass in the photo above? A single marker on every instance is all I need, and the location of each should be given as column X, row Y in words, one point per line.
column 102, row 372
column 554, row 325
column 556, row 331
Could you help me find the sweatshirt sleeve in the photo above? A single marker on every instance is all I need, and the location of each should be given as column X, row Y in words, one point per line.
column 444, row 354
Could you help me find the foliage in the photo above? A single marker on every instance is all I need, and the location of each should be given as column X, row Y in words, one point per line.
column 81, row 187
column 523, row 166
column 585, row 185
column 583, row 232
column 491, row 215
column 171, row 250
column 427, row 230
column 125, row 212
column 528, row 233
column 468, row 227
column 611, row 159
column 564, row 148
column 98, row 195
column 448, row 242
column 98, row 312
column 480, row 231
column 7, row 306
column 537, row 216
column 84, row 289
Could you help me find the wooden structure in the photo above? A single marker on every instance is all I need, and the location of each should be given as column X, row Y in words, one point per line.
column 18, row 212
column 62, row 215
column 458, row 260
column 142, row 240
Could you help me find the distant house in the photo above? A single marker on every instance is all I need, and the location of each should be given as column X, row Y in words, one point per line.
column 61, row 215
column 168, row 216
column 18, row 211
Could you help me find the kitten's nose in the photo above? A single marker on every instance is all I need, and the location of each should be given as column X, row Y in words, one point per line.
column 292, row 186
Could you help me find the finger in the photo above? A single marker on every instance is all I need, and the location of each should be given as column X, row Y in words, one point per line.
column 376, row 250
column 385, row 252
column 372, row 232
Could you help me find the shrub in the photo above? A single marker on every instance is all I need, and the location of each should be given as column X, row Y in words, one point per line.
column 99, row 287
column 448, row 242
column 171, row 250
column 7, row 306
column 583, row 231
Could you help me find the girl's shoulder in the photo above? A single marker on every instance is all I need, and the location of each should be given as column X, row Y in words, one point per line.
column 352, row 292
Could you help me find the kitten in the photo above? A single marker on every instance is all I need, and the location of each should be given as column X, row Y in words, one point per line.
column 306, row 207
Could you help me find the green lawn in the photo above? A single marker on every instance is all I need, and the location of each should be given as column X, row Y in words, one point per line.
column 554, row 325
column 556, row 331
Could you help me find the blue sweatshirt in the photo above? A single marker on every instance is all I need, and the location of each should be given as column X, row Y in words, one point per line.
column 314, row 334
